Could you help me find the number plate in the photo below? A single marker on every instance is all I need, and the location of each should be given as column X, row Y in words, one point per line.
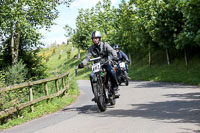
column 96, row 67
column 122, row 65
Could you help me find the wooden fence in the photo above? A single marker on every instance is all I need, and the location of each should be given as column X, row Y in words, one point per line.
column 33, row 101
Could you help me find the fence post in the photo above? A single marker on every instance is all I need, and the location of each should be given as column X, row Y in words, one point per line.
column 46, row 89
column 56, row 84
column 31, row 97
column 63, row 83
column 64, row 86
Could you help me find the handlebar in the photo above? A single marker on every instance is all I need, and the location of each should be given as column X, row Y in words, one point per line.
column 93, row 59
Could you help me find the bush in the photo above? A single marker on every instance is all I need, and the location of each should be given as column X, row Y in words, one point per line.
column 2, row 79
column 16, row 74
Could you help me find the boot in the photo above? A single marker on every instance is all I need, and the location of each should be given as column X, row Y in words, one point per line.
column 116, row 92
column 93, row 99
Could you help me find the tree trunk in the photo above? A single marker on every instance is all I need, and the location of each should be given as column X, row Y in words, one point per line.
column 12, row 47
column 79, row 55
column 17, row 43
column 186, row 57
column 150, row 57
column 130, row 59
column 168, row 56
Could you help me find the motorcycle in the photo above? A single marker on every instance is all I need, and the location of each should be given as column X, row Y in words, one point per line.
column 101, row 84
column 122, row 75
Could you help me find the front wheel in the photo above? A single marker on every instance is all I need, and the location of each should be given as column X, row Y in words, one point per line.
column 101, row 97
column 95, row 91
column 126, row 78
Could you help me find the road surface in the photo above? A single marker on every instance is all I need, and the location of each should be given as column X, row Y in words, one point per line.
column 143, row 107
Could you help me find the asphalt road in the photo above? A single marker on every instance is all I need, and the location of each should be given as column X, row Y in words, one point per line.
column 143, row 107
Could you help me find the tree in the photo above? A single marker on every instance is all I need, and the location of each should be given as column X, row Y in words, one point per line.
column 189, row 36
column 124, row 25
column 142, row 35
column 26, row 17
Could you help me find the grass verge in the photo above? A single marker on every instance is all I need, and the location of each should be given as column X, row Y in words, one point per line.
column 42, row 108
column 176, row 72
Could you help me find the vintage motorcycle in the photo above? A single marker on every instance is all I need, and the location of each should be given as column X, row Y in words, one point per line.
column 101, row 84
column 122, row 75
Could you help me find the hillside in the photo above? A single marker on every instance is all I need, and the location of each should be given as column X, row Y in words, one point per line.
column 60, row 62
column 62, row 58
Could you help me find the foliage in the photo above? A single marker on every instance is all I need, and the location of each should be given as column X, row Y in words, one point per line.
column 53, row 105
column 21, row 20
column 2, row 79
column 190, row 33
column 142, row 24
column 43, row 108
column 16, row 74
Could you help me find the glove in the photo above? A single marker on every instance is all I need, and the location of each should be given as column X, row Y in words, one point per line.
column 128, row 61
column 115, row 59
column 80, row 65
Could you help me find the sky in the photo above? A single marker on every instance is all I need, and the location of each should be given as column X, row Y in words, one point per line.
column 68, row 16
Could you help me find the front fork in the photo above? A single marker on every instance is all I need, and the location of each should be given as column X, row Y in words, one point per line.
column 95, row 79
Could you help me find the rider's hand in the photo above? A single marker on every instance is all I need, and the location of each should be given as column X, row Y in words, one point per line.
column 80, row 65
column 115, row 59
column 128, row 61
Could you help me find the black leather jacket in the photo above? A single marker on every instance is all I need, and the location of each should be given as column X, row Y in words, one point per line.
column 103, row 50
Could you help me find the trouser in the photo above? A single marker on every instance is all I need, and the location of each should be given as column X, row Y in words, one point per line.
column 110, row 73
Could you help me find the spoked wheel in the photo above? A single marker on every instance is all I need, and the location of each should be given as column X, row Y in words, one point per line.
column 95, row 91
column 101, row 99
column 126, row 79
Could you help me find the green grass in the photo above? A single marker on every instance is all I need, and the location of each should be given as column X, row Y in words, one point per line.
column 159, row 70
column 56, row 65
column 175, row 72
column 44, row 107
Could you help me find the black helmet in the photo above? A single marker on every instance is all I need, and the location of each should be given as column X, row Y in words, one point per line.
column 96, row 34
column 116, row 46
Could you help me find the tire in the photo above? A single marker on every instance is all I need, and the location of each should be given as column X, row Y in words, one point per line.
column 126, row 79
column 101, row 98
column 101, row 103
column 95, row 91
column 119, row 80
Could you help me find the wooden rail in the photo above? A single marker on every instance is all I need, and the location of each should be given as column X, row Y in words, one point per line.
column 33, row 101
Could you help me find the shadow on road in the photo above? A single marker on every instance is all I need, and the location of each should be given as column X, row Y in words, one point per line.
column 86, row 109
column 177, row 111
column 190, row 130
column 167, row 85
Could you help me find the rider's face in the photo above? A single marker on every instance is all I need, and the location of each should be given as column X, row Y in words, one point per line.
column 96, row 40
column 117, row 50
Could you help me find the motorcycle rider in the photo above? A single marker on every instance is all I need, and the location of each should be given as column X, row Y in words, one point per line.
column 103, row 50
column 121, row 55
